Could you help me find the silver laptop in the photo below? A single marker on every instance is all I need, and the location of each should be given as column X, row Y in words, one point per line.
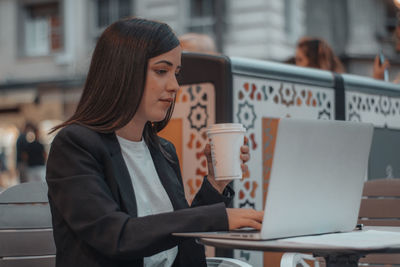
column 316, row 181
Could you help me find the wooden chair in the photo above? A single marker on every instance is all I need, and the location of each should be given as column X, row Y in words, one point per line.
column 380, row 206
column 26, row 234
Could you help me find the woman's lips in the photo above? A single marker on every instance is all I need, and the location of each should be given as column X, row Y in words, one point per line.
column 169, row 100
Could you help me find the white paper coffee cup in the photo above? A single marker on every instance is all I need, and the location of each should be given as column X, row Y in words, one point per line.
column 226, row 140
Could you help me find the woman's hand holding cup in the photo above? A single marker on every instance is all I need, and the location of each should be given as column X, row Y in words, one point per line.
column 220, row 185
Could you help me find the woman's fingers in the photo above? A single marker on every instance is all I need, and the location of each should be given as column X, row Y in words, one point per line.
column 207, row 150
column 239, row 218
column 207, row 153
column 245, row 152
column 254, row 224
column 245, row 157
column 256, row 215
column 244, row 149
column 245, row 168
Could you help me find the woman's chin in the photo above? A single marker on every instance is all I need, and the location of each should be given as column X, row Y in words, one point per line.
column 159, row 118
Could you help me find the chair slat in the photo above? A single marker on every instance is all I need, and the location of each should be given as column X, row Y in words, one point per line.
column 42, row 261
column 29, row 242
column 26, row 234
column 34, row 192
column 380, row 208
column 368, row 222
column 381, row 259
column 382, row 187
column 22, row 216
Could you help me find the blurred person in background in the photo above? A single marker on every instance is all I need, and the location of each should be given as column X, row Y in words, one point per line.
column 3, row 167
column 198, row 42
column 33, row 155
column 21, row 142
column 3, row 161
column 316, row 53
column 290, row 61
column 382, row 64
column 115, row 188
column 379, row 68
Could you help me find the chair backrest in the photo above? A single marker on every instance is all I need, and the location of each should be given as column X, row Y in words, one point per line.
column 380, row 207
column 380, row 203
column 26, row 234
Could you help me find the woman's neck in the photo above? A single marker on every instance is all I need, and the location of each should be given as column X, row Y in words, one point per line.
column 133, row 131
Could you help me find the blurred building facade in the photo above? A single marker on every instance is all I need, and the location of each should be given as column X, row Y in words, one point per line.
column 46, row 45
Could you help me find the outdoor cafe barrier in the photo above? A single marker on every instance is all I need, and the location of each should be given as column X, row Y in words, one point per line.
column 217, row 89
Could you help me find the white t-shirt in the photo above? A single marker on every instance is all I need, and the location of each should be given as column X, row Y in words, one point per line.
column 151, row 197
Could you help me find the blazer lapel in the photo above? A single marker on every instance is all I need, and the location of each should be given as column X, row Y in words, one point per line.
column 121, row 173
column 168, row 179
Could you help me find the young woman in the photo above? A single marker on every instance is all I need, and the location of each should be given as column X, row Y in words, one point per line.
column 115, row 187
column 316, row 53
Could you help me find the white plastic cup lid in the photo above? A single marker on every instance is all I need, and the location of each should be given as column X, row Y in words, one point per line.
column 226, row 127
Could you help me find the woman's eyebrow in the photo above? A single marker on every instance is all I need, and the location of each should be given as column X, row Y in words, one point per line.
column 164, row 61
column 168, row 63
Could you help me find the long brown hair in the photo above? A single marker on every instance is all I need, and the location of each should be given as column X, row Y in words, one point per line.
column 116, row 79
column 320, row 55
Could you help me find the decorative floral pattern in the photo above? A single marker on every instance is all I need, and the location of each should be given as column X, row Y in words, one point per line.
column 198, row 116
column 195, row 105
column 381, row 110
column 287, row 95
column 246, row 115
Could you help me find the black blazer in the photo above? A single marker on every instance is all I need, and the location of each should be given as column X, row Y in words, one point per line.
column 94, row 209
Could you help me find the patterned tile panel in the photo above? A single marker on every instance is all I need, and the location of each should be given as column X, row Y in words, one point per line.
column 381, row 110
column 195, row 109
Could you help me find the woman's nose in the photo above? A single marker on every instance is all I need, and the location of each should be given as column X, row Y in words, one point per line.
column 173, row 84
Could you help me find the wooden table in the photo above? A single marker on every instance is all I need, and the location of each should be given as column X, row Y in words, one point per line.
column 342, row 253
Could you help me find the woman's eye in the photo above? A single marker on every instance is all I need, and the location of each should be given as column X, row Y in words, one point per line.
column 161, row 71
column 177, row 74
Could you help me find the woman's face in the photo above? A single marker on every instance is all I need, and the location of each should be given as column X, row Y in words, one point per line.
column 161, row 86
column 301, row 59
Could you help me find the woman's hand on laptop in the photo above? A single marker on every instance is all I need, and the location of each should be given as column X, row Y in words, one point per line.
column 239, row 218
column 244, row 156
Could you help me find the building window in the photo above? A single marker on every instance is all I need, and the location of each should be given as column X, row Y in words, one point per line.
column 289, row 17
column 390, row 20
column 108, row 11
column 202, row 16
column 208, row 17
column 391, row 17
column 42, row 28
column 292, row 12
